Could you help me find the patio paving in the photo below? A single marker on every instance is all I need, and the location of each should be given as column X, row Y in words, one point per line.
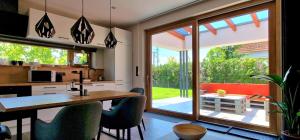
column 254, row 116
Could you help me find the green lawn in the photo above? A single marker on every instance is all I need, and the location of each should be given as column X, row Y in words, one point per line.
column 162, row 93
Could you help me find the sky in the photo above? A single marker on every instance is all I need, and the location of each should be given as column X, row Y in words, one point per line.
column 164, row 54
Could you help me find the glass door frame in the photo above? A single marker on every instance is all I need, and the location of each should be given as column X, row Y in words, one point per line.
column 148, row 70
column 274, row 50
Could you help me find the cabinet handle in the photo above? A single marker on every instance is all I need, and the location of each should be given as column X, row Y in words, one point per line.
column 49, row 87
column 49, row 93
column 66, row 38
column 99, row 85
column 119, row 80
column 119, row 84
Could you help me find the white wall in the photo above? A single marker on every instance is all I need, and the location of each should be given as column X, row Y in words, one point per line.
column 139, row 30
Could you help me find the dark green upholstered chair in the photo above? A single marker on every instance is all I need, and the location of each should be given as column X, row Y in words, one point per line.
column 76, row 122
column 127, row 114
column 136, row 90
column 4, row 132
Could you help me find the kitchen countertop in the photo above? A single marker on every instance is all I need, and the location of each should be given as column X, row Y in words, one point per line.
column 50, row 83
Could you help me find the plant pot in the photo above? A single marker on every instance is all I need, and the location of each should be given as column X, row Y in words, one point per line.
column 285, row 136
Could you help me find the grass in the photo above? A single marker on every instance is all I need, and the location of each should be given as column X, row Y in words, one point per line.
column 162, row 93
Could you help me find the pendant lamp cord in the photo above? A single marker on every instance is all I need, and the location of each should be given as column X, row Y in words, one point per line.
column 45, row 6
column 82, row 7
column 110, row 15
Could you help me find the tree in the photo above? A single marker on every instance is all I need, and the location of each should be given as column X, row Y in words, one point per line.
column 27, row 53
column 226, row 64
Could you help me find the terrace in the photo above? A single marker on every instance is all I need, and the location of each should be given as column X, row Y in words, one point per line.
column 245, row 37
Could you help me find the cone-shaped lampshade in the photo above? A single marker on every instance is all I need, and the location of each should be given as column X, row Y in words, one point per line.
column 82, row 32
column 44, row 27
column 110, row 41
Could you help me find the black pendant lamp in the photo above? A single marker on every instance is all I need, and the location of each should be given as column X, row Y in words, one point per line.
column 82, row 32
column 110, row 40
column 44, row 27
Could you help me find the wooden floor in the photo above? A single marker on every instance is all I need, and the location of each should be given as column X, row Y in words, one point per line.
column 160, row 128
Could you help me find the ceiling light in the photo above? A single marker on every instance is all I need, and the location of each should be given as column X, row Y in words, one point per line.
column 110, row 40
column 44, row 27
column 81, row 31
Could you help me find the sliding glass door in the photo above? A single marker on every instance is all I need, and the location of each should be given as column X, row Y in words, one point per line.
column 231, row 50
column 171, row 70
column 201, row 68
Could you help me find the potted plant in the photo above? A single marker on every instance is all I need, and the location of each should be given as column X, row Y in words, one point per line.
column 287, row 106
column 221, row 92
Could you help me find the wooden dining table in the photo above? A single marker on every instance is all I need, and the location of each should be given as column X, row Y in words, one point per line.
column 30, row 104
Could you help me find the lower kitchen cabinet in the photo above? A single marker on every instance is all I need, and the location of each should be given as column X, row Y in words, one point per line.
column 48, row 114
column 123, row 87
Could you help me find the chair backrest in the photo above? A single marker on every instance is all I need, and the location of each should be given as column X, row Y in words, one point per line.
column 138, row 90
column 77, row 122
column 130, row 111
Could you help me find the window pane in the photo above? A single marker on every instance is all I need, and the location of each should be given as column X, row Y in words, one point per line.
column 228, row 56
column 80, row 58
column 28, row 53
column 172, row 70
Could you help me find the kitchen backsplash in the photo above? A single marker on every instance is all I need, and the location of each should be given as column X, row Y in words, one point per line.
column 19, row 74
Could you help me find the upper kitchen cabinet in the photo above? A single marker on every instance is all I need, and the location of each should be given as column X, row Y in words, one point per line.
column 123, row 36
column 100, row 35
column 61, row 25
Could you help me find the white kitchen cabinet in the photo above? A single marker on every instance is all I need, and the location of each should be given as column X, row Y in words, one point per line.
column 123, row 36
column 118, row 64
column 123, row 87
column 100, row 35
column 48, row 114
column 62, row 26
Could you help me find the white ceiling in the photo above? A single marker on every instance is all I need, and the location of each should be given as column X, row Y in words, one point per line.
column 127, row 12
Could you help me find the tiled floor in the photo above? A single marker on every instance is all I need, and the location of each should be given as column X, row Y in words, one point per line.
column 160, row 128
column 255, row 116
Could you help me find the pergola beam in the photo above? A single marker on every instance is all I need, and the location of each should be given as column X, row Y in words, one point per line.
column 231, row 24
column 255, row 20
column 209, row 27
column 188, row 29
column 176, row 34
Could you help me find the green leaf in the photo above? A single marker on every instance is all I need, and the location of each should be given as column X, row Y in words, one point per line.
column 298, row 114
column 276, row 79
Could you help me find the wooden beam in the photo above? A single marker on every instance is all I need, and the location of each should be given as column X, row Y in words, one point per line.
column 231, row 24
column 255, row 20
column 211, row 28
column 188, row 29
column 176, row 34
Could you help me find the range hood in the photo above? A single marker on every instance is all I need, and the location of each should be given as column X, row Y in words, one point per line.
column 12, row 23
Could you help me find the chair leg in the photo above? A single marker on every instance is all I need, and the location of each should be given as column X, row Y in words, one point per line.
column 143, row 124
column 128, row 134
column 99, row 133
column 140, row 132
column 118, row 134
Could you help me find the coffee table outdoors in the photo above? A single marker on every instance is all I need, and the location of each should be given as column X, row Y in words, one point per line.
column 229, row 102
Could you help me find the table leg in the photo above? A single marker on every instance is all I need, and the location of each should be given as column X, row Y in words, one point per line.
column 19, row 129
column 32, row 122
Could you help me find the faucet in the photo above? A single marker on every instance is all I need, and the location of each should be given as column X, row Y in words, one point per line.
column 80, row 82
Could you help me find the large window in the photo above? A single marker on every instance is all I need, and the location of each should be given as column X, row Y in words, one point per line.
column 207, row 73
column 42, row 55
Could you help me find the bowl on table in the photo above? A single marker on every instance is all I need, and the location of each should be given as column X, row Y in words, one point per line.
column 189, row 131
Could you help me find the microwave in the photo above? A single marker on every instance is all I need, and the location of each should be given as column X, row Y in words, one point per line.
column 41, row 76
